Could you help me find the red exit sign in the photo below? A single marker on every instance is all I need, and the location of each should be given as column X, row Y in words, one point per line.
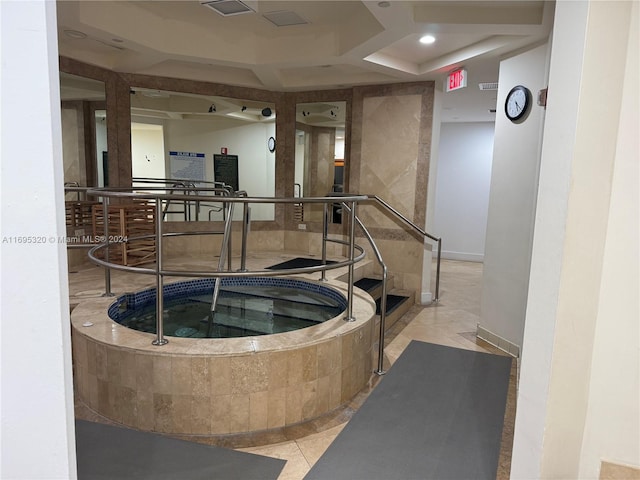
column 456, row 80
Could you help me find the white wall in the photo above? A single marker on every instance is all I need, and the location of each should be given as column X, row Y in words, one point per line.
column 256, row 164
column 147, row 151
column 512, row 201
column 612, row 428
column 578, row 398
column 462, row 189
column 38, row 440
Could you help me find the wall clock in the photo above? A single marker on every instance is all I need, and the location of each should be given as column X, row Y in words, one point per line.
column 271, row 144
column 517, row 104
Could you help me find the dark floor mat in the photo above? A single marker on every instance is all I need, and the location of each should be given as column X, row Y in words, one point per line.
column 105, row 452
column 437, row 414
column 368, row 284
column 298, row 262
column 393, row 302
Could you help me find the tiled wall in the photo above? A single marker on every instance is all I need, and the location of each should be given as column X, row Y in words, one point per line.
column 202, row 394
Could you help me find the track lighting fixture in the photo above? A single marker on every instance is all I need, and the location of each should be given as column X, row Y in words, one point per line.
column 244, row 108
column 212, row 108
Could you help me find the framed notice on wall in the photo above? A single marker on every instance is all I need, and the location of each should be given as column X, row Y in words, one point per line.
column 225, row 169
column 187, row 165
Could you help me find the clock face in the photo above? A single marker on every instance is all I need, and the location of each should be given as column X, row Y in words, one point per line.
column 517, row 104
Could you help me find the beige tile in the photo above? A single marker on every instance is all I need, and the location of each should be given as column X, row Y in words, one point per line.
column 309, row 401
column 220, row 418
column 238, row 412
column 128, row 369
column 162, row 412
column 313, row 446
column 614, row 471
column 258, row 411
column 294, row 368
column 180, row 375
column 296, row 466
column 181, row 414
column 293, row 408
column 161, row 372
column 276, row 404
column 220, row 375
column 249, row 374
column 309, row 363
column 277, row 370
column 101, row 362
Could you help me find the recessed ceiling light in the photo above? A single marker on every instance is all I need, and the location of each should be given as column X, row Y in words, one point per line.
column 427, row 39
column 75, row 34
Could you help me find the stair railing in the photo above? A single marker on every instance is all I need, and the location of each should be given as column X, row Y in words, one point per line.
column 419, row 230
column 383, row 300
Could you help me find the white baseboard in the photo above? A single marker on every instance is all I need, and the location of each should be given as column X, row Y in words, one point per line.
column 426, row 298
column 497, row 341
column 466, row 257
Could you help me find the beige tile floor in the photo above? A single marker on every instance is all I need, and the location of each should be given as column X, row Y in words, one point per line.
column 452, row 322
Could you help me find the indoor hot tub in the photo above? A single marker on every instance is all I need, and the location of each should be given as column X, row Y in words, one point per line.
column 271, row 376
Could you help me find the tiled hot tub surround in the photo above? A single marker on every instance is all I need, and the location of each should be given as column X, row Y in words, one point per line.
column 218, row 386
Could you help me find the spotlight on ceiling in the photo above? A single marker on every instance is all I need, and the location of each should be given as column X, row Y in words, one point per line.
column 244, row 108
column 266, row 112
column 427, row 39
column 212, row 108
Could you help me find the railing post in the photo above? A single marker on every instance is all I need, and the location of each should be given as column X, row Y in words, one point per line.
column 160, row 340
column 325, row 234
column 225, row 239
column 107, row 271
column 437, row 293
column 383, row 319
column 352, row 235
column 246, row 218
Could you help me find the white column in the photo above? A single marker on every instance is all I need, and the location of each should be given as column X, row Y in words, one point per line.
column 573, row 338
column 38, row 439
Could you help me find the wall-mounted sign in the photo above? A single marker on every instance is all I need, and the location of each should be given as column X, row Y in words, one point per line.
column 187, row 165
column 225, row 169
column 456, row 80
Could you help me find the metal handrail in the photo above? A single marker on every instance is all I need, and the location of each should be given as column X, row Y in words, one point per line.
column 188, row 186
column 383, row 298
column 408, row 222
column 223, row 248
column 159, row 195
column 160, row 272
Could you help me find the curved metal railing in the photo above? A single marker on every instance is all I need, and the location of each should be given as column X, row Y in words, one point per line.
column 160, row 272
column 221, row 194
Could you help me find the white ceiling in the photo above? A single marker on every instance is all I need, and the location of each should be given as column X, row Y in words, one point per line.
column 344, row 43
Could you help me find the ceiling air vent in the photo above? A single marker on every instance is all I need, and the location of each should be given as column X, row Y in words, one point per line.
column 285, row 18
column 227, row 8
column 488, row 86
